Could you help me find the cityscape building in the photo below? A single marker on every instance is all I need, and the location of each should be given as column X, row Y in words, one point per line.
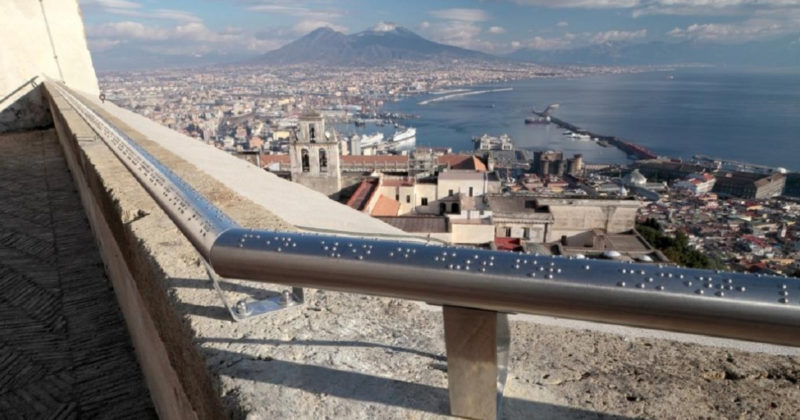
column 141, row 221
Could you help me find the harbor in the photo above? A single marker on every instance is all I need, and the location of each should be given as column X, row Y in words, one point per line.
column 633, row 150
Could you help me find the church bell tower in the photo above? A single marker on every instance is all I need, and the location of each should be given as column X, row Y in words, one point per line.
column 314, row 156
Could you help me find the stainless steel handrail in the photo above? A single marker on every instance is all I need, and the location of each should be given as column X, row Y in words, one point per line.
column 743, row 306
column 196, row 217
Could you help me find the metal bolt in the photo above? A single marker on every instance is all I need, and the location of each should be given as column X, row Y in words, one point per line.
column 241, row 307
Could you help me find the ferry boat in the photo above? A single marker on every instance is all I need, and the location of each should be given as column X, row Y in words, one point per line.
column 404, row 140
column 371, row 140
column 404, row 135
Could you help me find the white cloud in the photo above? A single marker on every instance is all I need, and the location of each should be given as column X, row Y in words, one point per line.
column 574, row 40
column 185, row 39
column 161, row 14
column 292, row 9
column 457, row 33
column 461, row 34
column 102, row 44
column 617, row 36
column 710, row 7
column 672, row 7
column 133, row 9
column 460, row 27
column 305, row 26
column 562, row 24
column 587, row 4
column 749, row 30
column 110, row 4
column 127, row 30
column 384, row 27
column 464, row 15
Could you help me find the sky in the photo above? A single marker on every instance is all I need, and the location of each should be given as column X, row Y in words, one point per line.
column 198, row 27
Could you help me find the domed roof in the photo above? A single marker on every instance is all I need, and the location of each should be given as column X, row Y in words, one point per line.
column 635, row 178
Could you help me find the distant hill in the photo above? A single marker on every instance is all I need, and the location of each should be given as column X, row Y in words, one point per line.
column 379, row 45
column 785, row 52
column 127, row 58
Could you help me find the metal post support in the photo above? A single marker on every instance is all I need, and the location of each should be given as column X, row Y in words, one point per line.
column 477, row 343
column 246, row 309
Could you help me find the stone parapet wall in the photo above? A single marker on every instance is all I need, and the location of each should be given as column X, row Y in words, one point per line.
column 359, row 357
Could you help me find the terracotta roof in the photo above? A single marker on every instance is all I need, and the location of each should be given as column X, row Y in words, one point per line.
column 361, row 196
column 508, row 244
column 267, row 160
column 462, row 162
column 374, row 159
column 386, row 207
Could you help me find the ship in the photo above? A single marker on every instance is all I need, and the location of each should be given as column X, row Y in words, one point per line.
column 537, row 120
column 405, row 135
column 371, row 140
column 404, row 140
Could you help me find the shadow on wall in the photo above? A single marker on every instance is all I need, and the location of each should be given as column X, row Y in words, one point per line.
column 28, row 112
column 372, row 389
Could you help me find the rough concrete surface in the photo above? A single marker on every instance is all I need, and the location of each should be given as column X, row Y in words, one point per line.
column 359, row 357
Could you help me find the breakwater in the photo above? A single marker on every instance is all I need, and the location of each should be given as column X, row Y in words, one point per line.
column 637, row 151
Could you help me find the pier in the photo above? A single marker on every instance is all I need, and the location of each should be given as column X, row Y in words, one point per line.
column 637, row 151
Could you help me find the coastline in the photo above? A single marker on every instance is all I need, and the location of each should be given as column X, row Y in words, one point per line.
column 704, row 141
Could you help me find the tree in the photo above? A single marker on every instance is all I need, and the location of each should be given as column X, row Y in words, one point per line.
column 677, row 249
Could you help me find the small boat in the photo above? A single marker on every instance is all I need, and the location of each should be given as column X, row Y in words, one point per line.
column 536, row 120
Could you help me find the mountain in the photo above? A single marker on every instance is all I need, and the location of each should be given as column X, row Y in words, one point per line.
column 782, row 52
column 381, row 44
column 129, row 58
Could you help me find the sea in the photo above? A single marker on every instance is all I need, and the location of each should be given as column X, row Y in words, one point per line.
column 749, row 116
